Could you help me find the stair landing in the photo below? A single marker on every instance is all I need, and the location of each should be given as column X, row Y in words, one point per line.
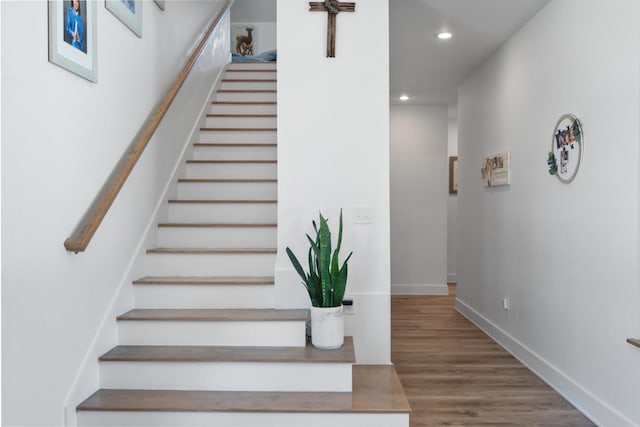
column 376, row 390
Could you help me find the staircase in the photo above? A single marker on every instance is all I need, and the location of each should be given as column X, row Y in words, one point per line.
column 204, row 345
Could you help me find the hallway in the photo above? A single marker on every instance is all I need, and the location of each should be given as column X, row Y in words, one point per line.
column 454, row 374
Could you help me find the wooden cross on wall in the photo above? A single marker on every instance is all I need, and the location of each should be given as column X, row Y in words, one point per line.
column 333, row 7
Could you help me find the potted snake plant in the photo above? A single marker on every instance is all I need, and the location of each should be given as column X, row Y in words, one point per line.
column 325, row 282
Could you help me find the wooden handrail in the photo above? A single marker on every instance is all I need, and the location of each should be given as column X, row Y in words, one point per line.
column 81, row 236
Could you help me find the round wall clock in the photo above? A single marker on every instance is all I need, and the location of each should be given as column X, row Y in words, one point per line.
column 567, row 146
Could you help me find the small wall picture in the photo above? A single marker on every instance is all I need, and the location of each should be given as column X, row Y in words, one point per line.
column 566, row 148
column 495, row 169
column 72, row 37
column 453, row 175
column 129, row 12
column 244, row 39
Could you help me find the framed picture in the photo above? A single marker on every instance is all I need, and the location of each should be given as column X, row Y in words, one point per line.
column 160, row 4
column 566, row 148
column 244, row 39
column 129, row 12
column 72, row 37
column 453, row 175
column 496, row 169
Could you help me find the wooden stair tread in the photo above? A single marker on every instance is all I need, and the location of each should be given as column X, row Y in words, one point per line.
column 216, row 225
column 376, row 390
column 221, row 201
column 243, row 115
column 245, row 102
column 201, row 280
column 220, row 180
column 236, row 66
column 216, row 314
column 232, row 144
column 249, row 80
column 174, row 353
column 259, row 70
column 212, row 251
column 238, row 129
column 222, row 162
column 246, row 91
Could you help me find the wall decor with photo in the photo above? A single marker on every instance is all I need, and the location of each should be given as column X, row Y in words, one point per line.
column 244, row 39
column 129, row 12
column 496, row 169
column 453, row 175
column 566, row 148
column 72, row 37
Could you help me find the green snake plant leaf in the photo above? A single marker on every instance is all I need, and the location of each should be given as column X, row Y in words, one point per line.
column 326, row 280
column 335, row 261
column 314, row 287
column 314, row 245
column 297, row 266
column 307, row 281
column 324, row 258
column 340, row 283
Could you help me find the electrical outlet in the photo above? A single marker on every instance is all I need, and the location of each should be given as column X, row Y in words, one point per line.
column 348, row 308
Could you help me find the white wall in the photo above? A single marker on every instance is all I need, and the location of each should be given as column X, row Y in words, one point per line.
column 254, row 11
column 452, row 207
column 566, row 256
column 61, row 136
column 419, row 187
column 333, row 152
column 261, row 15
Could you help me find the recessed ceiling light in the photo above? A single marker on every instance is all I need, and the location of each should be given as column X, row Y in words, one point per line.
column 445, row 35
column 404, row 97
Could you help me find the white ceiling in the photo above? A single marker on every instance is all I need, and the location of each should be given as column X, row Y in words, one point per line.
column 430, row 70
column 427, row 69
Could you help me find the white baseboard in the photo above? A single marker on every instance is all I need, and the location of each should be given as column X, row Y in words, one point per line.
column 590, row 405
column 420, row 289
column 452, row 278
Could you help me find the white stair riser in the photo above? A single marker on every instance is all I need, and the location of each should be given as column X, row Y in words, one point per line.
column 210, row 264
column 248, row 85
column 231, row 333
column 246, row 96
column 232, row 170
column 223, row 212
column 243, row 109
column 226, row 376
column 268, row 75
column 252, row 66
column 217, row 237
column 265, row 136
column 241, row 122
column 239, row 419
column 228, row 190
column 204, row 296
column 235, row 153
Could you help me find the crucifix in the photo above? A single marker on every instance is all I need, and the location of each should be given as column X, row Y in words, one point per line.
column 333, row 7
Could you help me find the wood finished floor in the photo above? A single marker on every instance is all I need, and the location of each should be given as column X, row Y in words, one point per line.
column 454, row 374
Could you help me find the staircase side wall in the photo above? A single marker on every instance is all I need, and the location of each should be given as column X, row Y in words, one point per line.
column 61, row 136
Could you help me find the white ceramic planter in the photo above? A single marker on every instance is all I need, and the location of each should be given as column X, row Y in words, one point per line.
column 327, row 327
